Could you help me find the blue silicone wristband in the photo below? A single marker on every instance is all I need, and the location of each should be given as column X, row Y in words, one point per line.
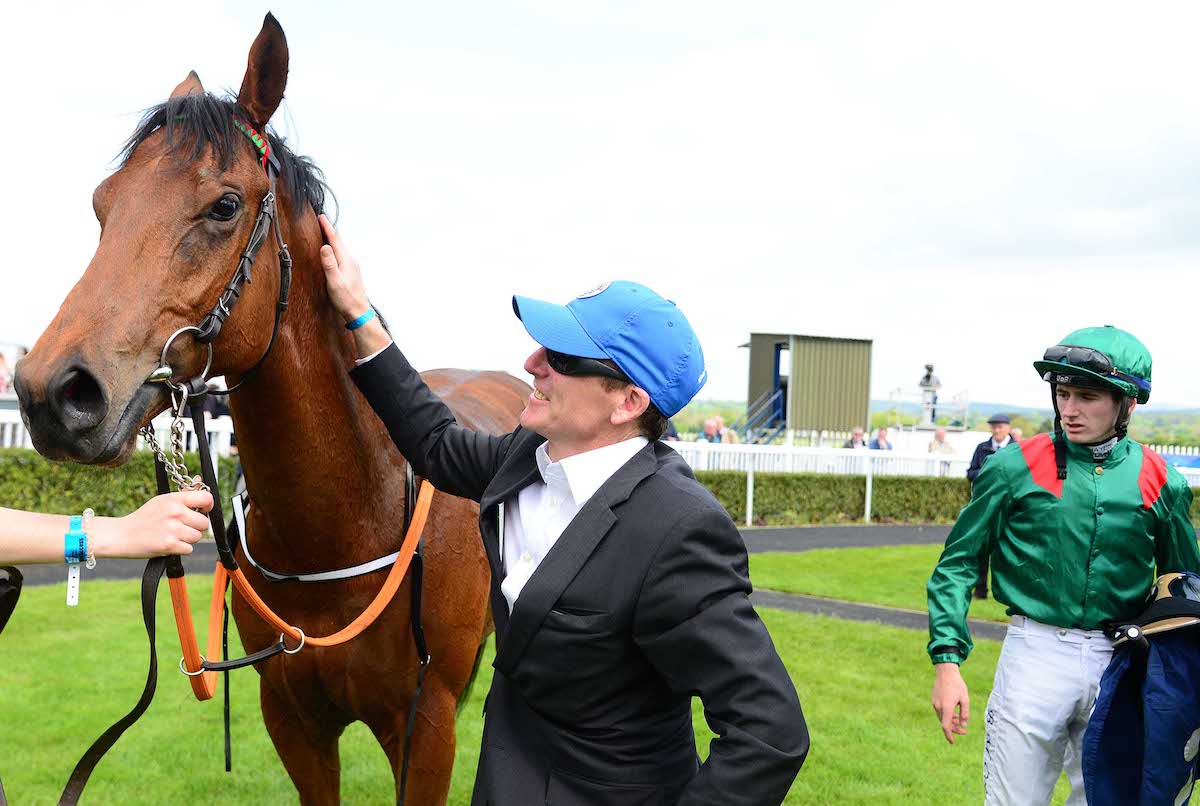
column 355, row 324
column 75, row 541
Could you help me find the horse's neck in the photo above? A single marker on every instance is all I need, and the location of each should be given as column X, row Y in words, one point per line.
column 316, row 459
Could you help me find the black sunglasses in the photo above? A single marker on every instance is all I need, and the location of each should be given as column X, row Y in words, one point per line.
column 576, row 365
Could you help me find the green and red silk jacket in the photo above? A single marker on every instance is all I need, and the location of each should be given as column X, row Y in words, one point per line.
column 1076, row 553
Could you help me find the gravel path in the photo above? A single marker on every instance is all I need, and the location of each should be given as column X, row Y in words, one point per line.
column 803, row 538
column 891, row 616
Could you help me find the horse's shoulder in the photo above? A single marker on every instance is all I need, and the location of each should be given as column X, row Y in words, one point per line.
column 483, row 400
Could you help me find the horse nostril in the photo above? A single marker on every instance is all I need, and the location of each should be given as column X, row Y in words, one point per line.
column 79, row 400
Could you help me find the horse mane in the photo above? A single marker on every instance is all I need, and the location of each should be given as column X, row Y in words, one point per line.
column 197, row 122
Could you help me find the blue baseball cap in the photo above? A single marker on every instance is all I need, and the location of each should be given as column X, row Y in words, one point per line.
column 647, row 336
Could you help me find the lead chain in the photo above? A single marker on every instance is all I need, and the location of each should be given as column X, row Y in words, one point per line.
column 174, row 462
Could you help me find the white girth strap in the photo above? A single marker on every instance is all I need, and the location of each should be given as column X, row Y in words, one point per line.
column 239, row 515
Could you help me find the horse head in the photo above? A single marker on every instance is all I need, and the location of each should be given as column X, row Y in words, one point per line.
column 174, row 218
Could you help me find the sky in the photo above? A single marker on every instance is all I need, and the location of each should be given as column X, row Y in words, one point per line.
column 964, row 184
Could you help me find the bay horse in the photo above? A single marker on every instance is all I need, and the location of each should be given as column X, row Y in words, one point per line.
column 326, row 482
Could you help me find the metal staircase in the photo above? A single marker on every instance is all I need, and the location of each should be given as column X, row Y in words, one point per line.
column 763, row 420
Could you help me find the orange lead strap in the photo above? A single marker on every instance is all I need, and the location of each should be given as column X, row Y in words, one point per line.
column 204, row 682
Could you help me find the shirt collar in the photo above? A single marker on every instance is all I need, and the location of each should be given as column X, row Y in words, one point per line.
column 1084, row 452
column 586, row 472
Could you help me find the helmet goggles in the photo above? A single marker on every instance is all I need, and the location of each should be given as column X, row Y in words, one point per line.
column 1092, row 360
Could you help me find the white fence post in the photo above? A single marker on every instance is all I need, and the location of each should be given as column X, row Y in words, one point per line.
column 870, row 467
column 750, row 497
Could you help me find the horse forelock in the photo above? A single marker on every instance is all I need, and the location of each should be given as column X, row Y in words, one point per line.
column 201, row 123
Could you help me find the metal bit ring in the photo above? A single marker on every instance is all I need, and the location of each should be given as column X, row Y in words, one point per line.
column 193, row 329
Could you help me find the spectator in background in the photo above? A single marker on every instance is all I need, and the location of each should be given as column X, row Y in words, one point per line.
column 5, row 374
column 1001, row 438
column 856, row 441
column 725, row 435
column 880, row 443
column 939, row 444
column 710, row 433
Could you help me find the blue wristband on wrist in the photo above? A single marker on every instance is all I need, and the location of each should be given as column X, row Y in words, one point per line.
column 355, row 324
column 75, row 541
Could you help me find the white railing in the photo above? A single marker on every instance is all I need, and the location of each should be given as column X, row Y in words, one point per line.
column 219, row 429
column 841, row 461
column 752, row 459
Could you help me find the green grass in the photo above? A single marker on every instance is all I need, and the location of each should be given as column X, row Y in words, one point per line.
column 68, row 673
column 893, row 576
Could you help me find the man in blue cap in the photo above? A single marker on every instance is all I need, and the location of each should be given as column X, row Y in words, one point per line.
column 620, row 585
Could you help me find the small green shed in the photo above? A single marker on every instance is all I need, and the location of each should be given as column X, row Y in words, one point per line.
column 800, row 382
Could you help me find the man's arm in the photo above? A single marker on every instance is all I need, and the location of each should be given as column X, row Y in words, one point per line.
column 949, row 588
column 695, row 624
column 1175, row 539
column 976, row 464
column 455, row 459
column 949, row 595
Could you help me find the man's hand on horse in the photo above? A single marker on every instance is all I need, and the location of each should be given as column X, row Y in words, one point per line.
column 343, row 277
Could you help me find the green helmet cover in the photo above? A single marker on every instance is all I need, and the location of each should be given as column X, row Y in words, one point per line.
column 1128, row 356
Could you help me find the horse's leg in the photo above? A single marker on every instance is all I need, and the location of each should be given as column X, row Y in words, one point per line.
column 433, row 743
column 309, row 750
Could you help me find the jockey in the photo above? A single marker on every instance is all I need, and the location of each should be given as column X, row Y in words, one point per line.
column 1075, row 525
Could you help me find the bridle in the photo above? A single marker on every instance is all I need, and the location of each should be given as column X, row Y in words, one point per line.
column 172, row 472
column 210, row 326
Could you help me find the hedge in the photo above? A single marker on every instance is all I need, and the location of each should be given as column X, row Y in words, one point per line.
column 29, row 482
column 789, row 499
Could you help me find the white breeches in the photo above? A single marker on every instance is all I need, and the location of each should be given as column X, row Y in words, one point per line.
column 1046, row 685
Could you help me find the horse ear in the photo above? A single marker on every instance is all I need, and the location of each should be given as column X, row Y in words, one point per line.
column 266, row 73
column 189, row 86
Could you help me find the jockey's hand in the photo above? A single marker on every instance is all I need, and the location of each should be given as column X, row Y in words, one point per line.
column 343, row 277
column 950, row 700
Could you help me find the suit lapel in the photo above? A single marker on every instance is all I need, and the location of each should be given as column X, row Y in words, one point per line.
column 568, row 555
column 518, row 470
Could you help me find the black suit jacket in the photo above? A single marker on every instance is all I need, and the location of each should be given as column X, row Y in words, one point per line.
column 982, row 451
column 640, row 604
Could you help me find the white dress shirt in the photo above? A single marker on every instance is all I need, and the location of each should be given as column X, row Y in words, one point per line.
column 998, row 445
column 358, row 362
column 533, row 520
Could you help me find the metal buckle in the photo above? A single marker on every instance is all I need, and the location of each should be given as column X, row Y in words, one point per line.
column 287, row 651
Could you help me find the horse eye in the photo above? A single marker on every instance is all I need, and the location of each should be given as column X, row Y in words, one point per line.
column 225, row 208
